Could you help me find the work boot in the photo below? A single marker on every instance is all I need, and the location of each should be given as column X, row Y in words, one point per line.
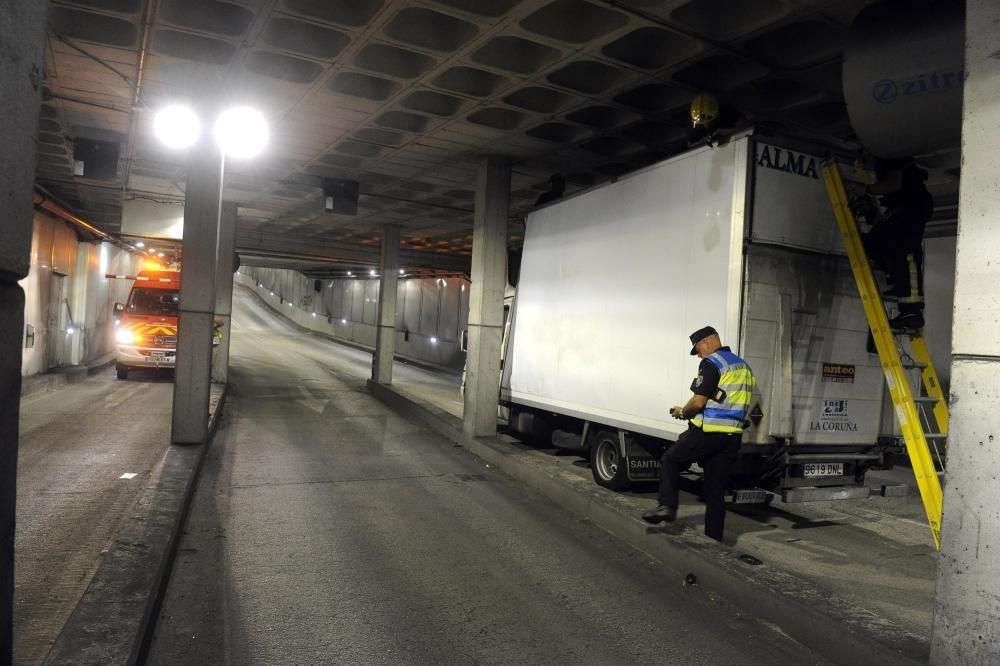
column 661, row 514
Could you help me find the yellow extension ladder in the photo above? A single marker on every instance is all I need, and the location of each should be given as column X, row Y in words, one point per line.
column 914, row 421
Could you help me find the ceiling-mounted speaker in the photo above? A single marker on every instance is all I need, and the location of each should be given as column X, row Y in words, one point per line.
column 95, row 159
column 340, row 196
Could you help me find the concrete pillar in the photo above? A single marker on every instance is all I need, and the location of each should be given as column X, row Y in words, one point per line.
column 224, row 289
column 22, row 33
column 489, row 279
column 966, row 626
column 385, row 337
column 192, row 378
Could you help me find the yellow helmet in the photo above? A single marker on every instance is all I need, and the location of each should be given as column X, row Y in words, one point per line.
column 704, row 109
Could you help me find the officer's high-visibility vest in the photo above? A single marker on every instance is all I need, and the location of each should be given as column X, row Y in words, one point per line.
column 727, row 410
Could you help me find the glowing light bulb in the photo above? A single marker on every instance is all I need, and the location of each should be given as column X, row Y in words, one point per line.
column 242, row 132
column 177, row 127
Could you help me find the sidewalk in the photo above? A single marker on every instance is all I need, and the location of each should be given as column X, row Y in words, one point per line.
column 59, row 377
column 94, row 543
column 837, row 576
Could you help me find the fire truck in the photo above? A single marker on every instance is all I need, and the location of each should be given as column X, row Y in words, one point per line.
column 147, row 321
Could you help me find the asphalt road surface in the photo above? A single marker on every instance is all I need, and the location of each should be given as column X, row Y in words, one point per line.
column 76, row 443
column 328, row 529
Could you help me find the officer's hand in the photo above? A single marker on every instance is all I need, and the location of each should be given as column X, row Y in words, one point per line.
column 677, row 412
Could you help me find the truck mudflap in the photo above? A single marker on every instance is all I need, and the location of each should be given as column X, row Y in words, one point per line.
column 643, row 458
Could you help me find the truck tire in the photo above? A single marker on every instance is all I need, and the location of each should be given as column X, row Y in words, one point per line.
column 607, row 460
column 121, row 371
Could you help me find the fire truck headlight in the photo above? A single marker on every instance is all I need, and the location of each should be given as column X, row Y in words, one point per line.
column 125, row 336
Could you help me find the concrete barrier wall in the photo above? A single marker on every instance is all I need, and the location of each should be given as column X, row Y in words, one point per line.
column 68, row 313
column 431, row 313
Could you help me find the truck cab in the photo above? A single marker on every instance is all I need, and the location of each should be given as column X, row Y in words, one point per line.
column 147, row 322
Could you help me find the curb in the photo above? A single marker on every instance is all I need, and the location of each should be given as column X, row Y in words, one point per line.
column 833, row 627
column 114, row 621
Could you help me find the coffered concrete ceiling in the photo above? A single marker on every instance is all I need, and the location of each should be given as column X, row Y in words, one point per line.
column 404, row 96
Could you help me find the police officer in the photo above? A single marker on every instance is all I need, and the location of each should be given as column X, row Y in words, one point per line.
column 715, row 414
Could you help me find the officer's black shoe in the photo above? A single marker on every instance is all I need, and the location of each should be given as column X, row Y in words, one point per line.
column 907, row 322
column 660, row 514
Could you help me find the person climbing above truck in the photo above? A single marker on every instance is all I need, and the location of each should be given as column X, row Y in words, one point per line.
column 895, row 242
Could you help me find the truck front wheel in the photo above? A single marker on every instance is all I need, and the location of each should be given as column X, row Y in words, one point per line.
column 607, row 460
column 122, row 371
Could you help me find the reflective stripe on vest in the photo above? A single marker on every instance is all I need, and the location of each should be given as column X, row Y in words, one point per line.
column 737, row 380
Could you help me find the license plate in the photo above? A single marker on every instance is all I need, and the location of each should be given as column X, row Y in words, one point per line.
column 749, row 496
column 160, row 358
column 814, row 470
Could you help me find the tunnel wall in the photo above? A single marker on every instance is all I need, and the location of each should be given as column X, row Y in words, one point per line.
column 69, row 304
column 431, row 313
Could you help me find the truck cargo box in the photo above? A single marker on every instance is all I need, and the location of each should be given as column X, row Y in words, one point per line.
column 739, row 236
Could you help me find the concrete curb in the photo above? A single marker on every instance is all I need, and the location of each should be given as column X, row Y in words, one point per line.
column 50, row 381
column 340, row 341
column 113, row 622
column 833, row 627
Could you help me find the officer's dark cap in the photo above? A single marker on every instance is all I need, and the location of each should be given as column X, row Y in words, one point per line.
column 700, row 335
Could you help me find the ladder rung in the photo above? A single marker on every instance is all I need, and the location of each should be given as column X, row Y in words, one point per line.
column 926, row 400
column 937, row 436
column 915, row 366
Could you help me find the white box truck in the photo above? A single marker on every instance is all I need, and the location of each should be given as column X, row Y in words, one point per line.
column 739, row 236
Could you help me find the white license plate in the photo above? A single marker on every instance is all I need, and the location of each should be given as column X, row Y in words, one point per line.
column 160, row 358
column 814, row 470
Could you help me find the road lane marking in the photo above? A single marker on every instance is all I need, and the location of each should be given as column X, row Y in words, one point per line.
column 128, row 475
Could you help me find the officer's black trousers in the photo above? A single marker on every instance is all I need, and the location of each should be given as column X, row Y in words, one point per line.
column 716, row 453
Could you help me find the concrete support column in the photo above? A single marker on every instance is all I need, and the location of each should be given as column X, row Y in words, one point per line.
column 192, row 378
column 22, row 33
column 966, row 626
column 385, row 337
column 224, row 288
column 489, row 279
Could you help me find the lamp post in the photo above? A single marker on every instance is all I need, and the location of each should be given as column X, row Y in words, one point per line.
column 239, row 133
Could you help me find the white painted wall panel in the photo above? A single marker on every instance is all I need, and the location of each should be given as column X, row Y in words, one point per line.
column 429, row 305
column 371, row 301
column 353, row 302
column 411, row 308
column 89, row 295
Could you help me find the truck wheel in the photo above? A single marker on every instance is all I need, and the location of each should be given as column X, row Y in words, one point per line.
column 607, row 462
column 122, row 371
